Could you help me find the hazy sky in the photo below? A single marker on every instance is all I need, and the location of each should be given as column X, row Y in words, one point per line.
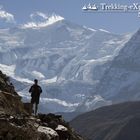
column 72, row 11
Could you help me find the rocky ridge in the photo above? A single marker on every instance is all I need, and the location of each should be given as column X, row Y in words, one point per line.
column 17, row 124
column 114, row 122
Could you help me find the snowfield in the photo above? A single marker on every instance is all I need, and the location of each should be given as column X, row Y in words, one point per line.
column 68, row 60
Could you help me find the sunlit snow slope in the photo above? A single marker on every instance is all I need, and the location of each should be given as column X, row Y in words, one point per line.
column 68, row 59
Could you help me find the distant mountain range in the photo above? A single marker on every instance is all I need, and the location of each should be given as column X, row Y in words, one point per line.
column 68, row 59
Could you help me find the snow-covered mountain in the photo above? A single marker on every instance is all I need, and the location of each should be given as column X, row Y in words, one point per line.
column 68, row 59
column 121, row 80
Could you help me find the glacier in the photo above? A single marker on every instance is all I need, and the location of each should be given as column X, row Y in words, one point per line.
column 68, row 60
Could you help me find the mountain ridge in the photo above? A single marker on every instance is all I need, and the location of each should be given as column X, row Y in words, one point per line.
column 120, row 82
column 62, row 63
column 126, row 66
column 16, row 121
column 114, row 122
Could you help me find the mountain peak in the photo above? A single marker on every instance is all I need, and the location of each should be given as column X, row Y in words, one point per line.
column 39, row 20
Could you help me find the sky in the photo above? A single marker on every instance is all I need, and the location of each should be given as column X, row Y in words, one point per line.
column 19, row 11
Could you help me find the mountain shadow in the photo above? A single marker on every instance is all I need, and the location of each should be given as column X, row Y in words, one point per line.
column 115, row 122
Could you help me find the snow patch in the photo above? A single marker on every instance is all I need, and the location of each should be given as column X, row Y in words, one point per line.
column 8, row 17
column 8, row 70
column 39, row 24
column 92, row 29
column 23, row 79
column 48, row 81
column 38, row 75
column 102, row 30
column 96, row 100
column 60, row 102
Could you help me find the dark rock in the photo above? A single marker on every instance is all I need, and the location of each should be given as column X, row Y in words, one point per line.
column 54, row 121
column 5, row 84
column 11, row 104
column 28, row 107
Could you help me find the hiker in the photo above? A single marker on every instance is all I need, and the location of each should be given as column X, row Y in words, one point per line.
column 35, row 91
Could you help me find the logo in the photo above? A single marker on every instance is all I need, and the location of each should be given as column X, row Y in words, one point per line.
column 90, row 7
column 112, row 7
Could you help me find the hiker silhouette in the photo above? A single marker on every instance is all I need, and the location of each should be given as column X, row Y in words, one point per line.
column 35, row 91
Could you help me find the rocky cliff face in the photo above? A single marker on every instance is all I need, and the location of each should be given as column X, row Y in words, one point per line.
column 42, row 127
column 16, row 123
column 5, row 84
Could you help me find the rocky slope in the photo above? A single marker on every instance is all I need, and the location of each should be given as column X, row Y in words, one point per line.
column 116, row 122
column 16, row 123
